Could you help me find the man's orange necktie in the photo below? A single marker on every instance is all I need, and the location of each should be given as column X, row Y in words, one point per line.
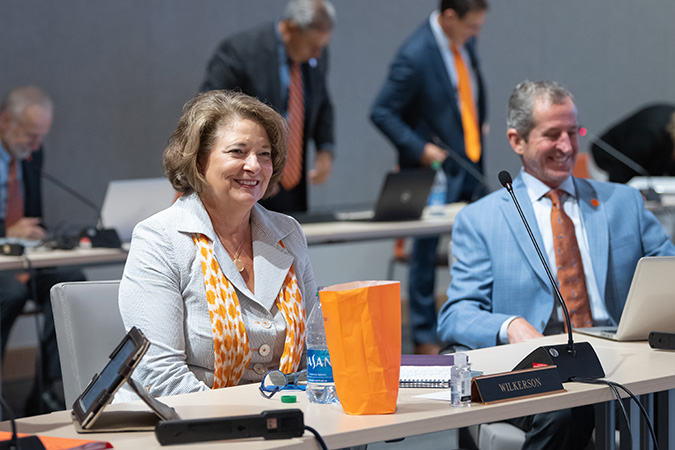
column 296, row 122
column 467, row 108
column 15, row 210
column 570, row 267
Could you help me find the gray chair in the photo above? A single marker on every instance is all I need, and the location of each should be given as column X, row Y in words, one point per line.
column 497, row 436
column 88, row 328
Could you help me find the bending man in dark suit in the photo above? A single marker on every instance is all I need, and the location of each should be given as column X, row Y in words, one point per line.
column 260, row 63
column 499, row 291
column 420, row 110
column 647, row 137
column 25, row 119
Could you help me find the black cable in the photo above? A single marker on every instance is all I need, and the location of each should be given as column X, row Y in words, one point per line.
column 318, row 437
column 614, row 385
column 8, row 410
column 625, row 413
column 618, row 398
column 643, row 411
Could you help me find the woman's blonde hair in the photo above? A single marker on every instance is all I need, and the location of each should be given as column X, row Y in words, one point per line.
column 198, row 128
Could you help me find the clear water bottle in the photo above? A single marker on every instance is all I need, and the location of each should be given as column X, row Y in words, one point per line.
column 460, row 381
column 437, row 197
column 320, row 384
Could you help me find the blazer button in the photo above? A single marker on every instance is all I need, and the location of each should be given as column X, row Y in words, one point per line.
column 264, row 350
column 267, row 324
column 259, row 369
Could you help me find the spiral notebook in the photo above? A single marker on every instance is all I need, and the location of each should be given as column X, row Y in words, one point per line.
column 425, row 371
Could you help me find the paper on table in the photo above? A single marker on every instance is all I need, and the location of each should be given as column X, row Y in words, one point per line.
column 425, row 376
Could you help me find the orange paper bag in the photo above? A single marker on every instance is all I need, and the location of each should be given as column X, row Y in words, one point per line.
column 363, row 332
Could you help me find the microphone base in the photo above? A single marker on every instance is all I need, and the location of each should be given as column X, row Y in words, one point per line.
column 583, row 364
column 26, row 443
column 103, row 237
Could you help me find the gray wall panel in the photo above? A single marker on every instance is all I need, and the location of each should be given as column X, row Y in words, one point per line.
column 120, row 72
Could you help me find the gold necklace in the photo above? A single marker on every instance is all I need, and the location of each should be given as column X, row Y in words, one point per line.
column 238, row 263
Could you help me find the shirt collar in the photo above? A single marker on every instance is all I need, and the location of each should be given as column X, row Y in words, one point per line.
column 536, row 189
column 441, row 39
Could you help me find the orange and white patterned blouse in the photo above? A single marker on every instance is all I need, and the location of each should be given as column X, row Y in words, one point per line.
column 163, row 293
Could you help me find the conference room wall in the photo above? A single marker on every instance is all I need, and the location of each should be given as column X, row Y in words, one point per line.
column 120, row 72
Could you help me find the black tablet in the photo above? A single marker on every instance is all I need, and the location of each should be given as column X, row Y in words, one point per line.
column 103, row 386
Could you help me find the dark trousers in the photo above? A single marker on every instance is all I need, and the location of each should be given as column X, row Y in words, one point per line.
column 567, row 429
column 421, row 283
column 13, row 297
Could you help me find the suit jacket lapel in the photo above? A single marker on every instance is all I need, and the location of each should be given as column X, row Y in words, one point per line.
column 596, row 227
column 517, row 228
column 269, row 66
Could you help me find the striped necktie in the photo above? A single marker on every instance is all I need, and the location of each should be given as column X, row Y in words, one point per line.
column 296, row 122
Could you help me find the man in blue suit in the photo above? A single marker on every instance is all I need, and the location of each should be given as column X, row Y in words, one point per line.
column 434, row 100
column 499, row 291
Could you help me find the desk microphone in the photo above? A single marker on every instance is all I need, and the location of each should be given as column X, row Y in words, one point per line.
column 15, row 442
column 574, row 360
column 99, row 236
column 649, row 193
column 482, row 179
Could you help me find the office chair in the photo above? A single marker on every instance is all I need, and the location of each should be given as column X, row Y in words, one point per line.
column 88, row 327
column 497, row 436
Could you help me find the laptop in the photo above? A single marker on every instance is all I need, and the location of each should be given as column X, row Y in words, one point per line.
column 403, row 196
column 128, row 202
column 650, row 305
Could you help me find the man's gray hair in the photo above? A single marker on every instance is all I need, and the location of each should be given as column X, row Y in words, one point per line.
column 18, row 99
column 311, row 14
column 521, row 103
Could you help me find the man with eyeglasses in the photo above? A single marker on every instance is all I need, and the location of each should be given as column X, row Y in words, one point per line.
column 25, row 119
column 285, row 65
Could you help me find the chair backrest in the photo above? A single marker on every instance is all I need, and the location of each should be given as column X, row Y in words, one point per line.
column 88, row 328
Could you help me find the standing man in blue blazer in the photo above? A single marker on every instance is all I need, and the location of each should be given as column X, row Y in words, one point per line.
column 260, row 62
column 500, row 292
column 433, row 102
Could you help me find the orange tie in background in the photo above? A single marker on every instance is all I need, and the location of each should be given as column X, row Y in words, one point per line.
column 570, row 267
column 296, row 122
column 14, row 196
column 467, row 108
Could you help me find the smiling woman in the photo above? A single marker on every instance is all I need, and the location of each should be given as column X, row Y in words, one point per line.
column 217, row 283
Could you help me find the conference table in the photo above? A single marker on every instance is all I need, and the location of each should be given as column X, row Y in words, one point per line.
column 39, row 258
column 334, row 232
column 633, row 364
column 316, row 233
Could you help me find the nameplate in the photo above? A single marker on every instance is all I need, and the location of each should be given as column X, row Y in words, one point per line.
column 501, row 387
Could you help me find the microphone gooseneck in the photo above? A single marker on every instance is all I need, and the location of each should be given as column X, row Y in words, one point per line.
column 99, row 236
column 505, row 180
column 461, row 161
column 70, row 191
column 572, row 360
column 650, row 192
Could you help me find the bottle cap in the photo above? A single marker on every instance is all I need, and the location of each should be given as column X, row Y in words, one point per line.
column 288, row 399
column 460, row 359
